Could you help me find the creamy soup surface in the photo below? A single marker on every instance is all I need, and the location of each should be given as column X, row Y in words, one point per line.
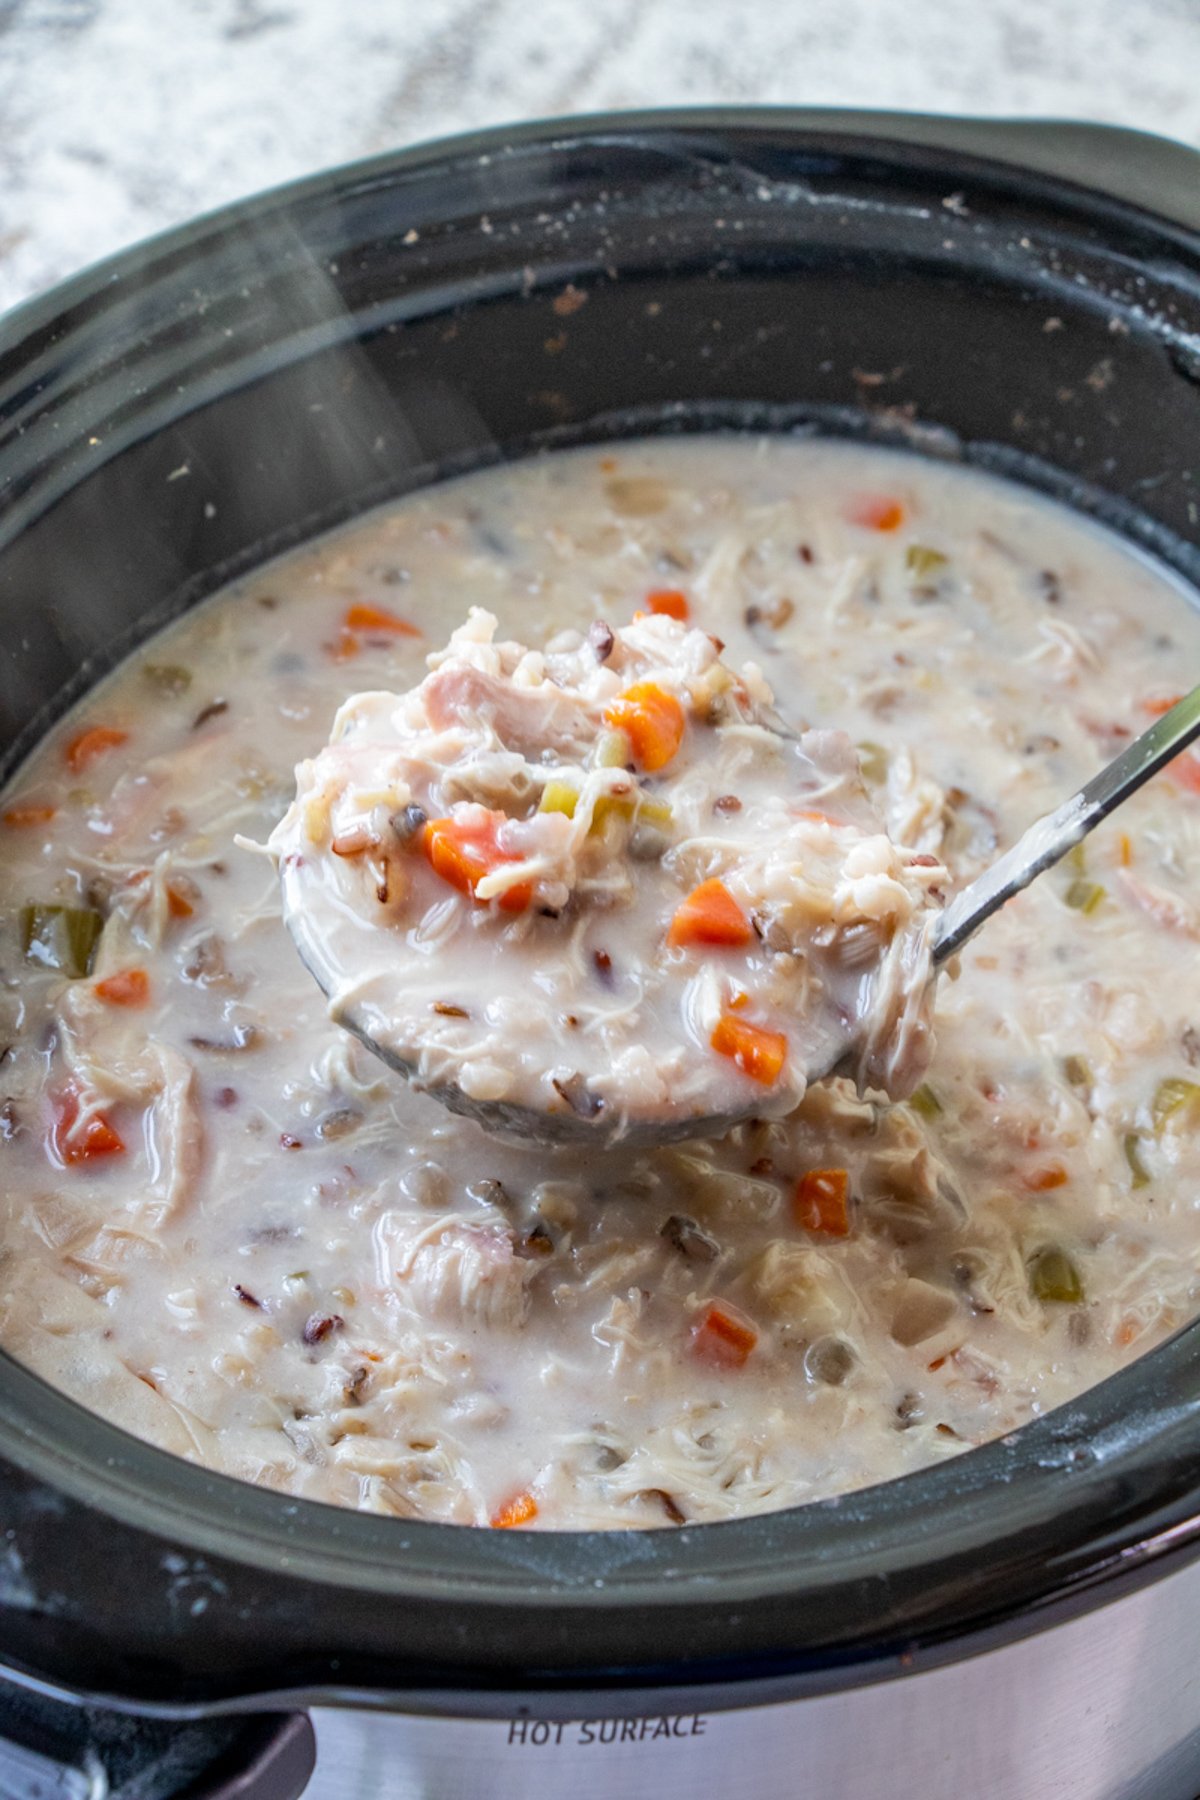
column 232, row 1231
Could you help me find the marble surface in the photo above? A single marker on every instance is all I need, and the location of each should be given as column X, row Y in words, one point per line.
column 119, row 117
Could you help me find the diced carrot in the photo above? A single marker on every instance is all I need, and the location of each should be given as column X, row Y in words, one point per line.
column 96, row 1138
column 653, row 721
column 722, row 1335
column 345, row 646
column 1127, row 1332
column 1126, row 849
column 1184, row 771
column 92, row 743
column 517, row 1511
column 1050, row 1175
column 818, row 818
column 178, row 904
column 740, row 1001
column 462, row 852
column 19, row 817
column 362, row 617
column 128, row 987
column 878, row 512
column 822, row 1201
column 757, row 1052
column 669, row 601
column 709, row 915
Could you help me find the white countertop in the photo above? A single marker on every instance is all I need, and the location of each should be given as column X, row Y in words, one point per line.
column 124, row 116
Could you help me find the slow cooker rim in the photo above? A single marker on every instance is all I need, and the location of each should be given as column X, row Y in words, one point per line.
column 870, row 128
column 266, row 1530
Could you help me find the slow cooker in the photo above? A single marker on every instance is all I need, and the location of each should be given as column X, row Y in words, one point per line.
column 1019, row 1622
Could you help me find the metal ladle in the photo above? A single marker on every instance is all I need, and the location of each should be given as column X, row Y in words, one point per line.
column 1045, row 843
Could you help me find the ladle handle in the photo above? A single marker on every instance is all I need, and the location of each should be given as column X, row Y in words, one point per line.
column 1047, row 841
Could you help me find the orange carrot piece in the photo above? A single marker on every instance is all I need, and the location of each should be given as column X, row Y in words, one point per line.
column 362, row 617
column 344, row 648
column 709, row 915
column 19, row 817
column 128, row 987
column 724, row 1336
column 670, row 601
column 96, row 1139
column 1050, row 1175
column 877, row 512
column 822, row 1201
column 652, row 719
column 178, row 905
column 92, row 743
column 1126, row 849
column 517, row 1511
column 462, row 853
column 757, row 1052
column 1184, row 771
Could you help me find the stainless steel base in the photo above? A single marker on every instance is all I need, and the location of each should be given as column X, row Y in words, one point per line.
column 1106, row 1707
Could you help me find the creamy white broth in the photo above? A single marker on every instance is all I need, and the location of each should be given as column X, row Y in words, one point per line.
column 296, row 1270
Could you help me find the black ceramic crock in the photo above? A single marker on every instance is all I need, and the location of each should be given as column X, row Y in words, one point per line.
column 1021, row 297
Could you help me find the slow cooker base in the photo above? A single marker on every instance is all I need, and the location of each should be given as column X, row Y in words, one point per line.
column 1100, row 1708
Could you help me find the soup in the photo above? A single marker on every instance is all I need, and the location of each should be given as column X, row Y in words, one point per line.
column 231, row 1230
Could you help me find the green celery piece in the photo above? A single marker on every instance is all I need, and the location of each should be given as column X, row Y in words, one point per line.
column 612, row 750
column 920, row 559
column 653, row 812
column 1054, row 1277
column 1132, row 1147
column 873, row 761
column 925, row 1101
column 611, row 806
column 1077, row 1071
column 168, row 679
column 62, row 938
column 1170, row 1096
column 559, row 797
column 1084, row 896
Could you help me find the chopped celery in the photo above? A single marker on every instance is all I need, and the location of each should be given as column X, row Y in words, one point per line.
column 1173, row 1096
column 1133, row 1156
column 655, row 815
column 653, row 812
column 873, row 761
column 920, row 559
column 1054, row 1277
column 613, row 750
column 925, row 1102
column 612, row 806
column 1084, row 896
column 1076, row 857
column 62, row 938
column 1077, row 1071
column 559, row 797
column 169, row 679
